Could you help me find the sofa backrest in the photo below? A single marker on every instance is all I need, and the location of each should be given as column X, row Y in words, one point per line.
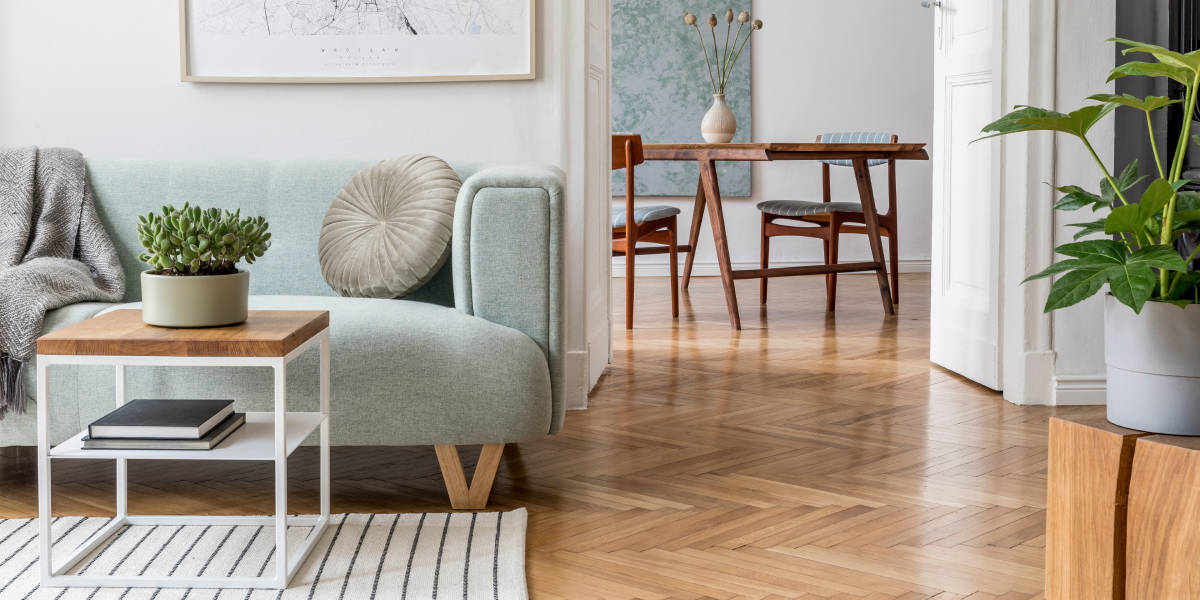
column 292, row 195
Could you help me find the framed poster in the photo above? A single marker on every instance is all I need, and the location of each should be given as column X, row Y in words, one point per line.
column 356, row 41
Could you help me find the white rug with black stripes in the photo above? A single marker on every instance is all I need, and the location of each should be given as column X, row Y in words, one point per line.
column 409, row 556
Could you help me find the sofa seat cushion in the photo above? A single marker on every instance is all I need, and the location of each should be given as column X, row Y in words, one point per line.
column 403, row 373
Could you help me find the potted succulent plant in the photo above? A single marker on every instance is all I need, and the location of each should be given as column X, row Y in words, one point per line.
column 1152, row 310
column 193, row 254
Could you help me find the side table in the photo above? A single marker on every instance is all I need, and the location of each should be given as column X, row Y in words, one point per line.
column 120, row 339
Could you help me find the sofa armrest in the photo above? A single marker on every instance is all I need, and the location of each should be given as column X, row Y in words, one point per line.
column 507, row 258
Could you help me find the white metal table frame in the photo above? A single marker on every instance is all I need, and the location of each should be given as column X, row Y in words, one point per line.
column 285, row 566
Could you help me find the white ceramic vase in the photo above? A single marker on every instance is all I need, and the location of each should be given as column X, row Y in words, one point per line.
column 719, row 124
column 1153, row 379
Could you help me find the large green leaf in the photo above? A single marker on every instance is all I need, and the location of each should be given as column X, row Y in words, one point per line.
column 1187, row 200
column 1075, row 287
column 1088, row 228
column 1129, row 176
column 1149, row 103
column 1124, row 219
column 1076, row 198
column 1107, row 251
column 1157, row 195
column 1150, row 69
column 1126, row 179
column 1132, row 284
column 1065, row 265
column 1189, row 61
column 1030, row 118
column 1159, row 256
column 1186, row 219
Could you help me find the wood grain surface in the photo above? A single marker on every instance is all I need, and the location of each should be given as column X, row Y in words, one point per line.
column 122, row 333
column 1087, row 488
column 1164, row 519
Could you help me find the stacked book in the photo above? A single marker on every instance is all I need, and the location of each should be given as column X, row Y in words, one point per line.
column 165, row 425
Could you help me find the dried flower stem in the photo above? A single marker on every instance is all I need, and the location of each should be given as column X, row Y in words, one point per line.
column 725, row 53
column 706, row 61
column 728, row 63
column 720, row 83
column 739, row 52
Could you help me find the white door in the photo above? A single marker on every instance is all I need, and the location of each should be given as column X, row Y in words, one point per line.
column 598, row 234
column 965, row 304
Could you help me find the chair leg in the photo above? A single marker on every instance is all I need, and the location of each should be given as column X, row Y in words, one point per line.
column 629, row 257
column 674, row 268
column 474, row 496
column 835, row 226
column 828, row 276
column 764, row 246
column 894, row 257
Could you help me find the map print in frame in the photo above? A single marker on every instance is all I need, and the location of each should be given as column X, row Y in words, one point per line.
column 356, row 41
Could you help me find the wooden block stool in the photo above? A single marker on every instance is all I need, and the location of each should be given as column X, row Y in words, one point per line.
column 1087, row 484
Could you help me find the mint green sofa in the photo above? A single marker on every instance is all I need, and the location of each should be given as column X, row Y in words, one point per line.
column 474, row 357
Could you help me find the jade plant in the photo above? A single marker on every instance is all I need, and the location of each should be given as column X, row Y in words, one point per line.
column 196, row 241
column 1140, row 260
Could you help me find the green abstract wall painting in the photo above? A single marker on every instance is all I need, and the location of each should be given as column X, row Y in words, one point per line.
column 660, row 89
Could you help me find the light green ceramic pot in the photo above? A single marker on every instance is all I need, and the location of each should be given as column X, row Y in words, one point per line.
column 195, row 300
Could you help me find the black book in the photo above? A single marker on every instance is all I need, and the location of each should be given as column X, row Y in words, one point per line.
column 208, row 442
column 162, row 419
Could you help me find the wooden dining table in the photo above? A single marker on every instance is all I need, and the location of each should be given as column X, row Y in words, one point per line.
column 708, row 196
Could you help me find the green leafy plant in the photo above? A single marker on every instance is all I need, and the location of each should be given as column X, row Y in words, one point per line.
column 726, row 57
column 1140, row 262
column 196, row 241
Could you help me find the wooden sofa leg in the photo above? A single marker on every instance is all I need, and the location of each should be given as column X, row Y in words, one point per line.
column 475, row 496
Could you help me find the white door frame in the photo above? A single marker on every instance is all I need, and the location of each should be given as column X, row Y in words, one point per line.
column 598, row 236
column 1024, row 59
column 1028, row 58
column 587, row 118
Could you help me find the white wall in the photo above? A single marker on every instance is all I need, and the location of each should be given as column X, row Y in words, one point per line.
column 103, row 77
column 820, row 66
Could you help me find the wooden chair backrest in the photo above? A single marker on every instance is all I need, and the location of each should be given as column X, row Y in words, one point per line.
column 626, row 150
column 827, row 196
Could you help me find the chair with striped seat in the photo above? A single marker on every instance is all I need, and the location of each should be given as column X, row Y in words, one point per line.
column 650, row 224
column 827, row 220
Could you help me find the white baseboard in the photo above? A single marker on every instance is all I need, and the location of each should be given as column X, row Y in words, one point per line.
column 709, row 268
column 576, row 384
column 1080, row 390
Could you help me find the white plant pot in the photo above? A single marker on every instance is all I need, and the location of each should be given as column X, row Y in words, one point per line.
column 1153, row 367
column 195, row 300
column 719, row 124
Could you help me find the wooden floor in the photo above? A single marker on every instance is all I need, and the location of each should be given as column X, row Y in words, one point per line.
column 807, row 456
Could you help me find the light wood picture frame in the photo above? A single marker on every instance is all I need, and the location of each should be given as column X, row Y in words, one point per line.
column 500, row 46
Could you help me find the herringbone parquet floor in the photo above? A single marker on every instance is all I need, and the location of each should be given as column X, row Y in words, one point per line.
column 807, row 456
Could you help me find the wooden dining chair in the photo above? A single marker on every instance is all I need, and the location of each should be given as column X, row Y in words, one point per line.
column 827, row 220
column 649, row 224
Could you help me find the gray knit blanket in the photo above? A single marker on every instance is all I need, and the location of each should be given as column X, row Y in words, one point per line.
column 54, row 251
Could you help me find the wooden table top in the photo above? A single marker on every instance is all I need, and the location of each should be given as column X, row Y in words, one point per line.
column 784, row 151
column 266, row 333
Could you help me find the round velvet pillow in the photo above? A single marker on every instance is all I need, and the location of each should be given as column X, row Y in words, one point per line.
column 387, row 232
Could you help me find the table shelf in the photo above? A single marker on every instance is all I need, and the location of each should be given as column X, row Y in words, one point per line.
column 255, row 440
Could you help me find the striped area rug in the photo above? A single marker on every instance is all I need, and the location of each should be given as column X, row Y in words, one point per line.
column 409, row 556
